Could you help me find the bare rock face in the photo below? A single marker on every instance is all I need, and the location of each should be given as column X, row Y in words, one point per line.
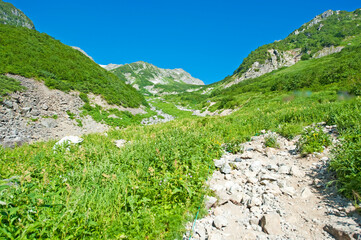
column 13, row 16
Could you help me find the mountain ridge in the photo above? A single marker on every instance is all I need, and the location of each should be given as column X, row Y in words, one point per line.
column 12, row 16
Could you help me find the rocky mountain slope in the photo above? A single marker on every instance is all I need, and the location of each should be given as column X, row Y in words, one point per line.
column 13, row 16
column 320, row 37
column 150, row 79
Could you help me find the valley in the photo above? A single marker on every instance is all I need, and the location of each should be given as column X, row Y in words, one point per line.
column 270, row 152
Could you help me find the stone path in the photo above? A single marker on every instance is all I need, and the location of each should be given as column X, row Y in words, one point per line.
column 155, row 119
column 268, row 193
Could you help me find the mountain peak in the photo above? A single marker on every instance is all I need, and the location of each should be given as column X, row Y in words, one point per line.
column 12, row 16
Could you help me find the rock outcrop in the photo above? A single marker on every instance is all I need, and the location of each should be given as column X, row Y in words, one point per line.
column 83, row 52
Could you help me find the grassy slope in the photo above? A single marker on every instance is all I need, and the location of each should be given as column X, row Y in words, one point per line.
column 32, row 54
column 145, row 190
column 143, row 76
column 16, row 20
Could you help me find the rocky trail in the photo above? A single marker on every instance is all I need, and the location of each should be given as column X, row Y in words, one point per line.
column 155, row 119
column 269, row 193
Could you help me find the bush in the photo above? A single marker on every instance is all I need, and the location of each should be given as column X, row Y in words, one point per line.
column 234, row 146
column 270, row 140
column 312, row 140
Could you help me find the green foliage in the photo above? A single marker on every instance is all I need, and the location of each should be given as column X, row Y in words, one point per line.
column 84, row 97
column 9, row 85
column 13, row 16
column 234, row 146
column 32, row 54
column 71, row 115
column 313, row 139
column 270, row 140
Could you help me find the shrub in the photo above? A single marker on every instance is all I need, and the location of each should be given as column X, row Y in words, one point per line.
column 270, row 140
column 312, row 140
column 234, row 146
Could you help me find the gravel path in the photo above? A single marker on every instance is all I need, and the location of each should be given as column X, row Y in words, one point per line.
column 268, row 193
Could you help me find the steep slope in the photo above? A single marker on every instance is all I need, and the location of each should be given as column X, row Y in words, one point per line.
column 150, row 79
column 322, row 36
column 13, row 16
column 29, row 53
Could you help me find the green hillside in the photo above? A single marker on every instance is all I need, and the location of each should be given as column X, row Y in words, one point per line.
column 32, row 54
column 324, row 31
column 13, row 16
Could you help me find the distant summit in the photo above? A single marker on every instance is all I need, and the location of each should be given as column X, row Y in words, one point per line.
column 154, row 80
column 12, row 16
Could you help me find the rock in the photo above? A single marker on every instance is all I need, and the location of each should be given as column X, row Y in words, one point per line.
column 8, row 104
column 288, row 190
column 269, row 177
column 272, row 167
column 210, row 201
column 68, row 140
column 226, row 169
column 2, row 203
column 306, row 193
column 220, row 222
column 237, row 159
column 120, row 143
column 219, row 163
column 254, row 201
column 339, row 233
column 49, row 123
column 295, row 171
column 256, row 166
column 246, row 155
column 284, row 169
column 271, row 224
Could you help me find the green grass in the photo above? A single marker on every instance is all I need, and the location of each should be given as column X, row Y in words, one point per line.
column 313, row 139
column 29, row 53
column 171, row 109
column 9, row 85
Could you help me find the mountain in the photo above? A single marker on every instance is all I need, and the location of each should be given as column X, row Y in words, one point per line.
column 111, row 66
column 83, row 52
column 13, row 16
column 150, row 79
column 323, row 35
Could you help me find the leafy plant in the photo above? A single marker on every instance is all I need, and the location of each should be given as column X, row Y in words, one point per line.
column 313, row 139
column 270, row 140
column 234, row 146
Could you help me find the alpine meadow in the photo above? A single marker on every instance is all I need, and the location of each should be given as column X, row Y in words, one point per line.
column 134, row 151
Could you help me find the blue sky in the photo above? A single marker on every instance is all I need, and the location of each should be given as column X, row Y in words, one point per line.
column 208, row 39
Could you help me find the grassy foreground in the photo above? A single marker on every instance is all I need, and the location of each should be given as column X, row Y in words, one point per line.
column 152, row 186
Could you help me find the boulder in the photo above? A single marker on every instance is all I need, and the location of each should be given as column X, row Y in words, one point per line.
column 271, row 224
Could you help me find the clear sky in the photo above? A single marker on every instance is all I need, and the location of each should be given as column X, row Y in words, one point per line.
column 206, row 38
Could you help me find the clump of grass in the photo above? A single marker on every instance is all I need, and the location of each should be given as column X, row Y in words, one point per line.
column 313, row 139
column 270, row 140
column 234, row 146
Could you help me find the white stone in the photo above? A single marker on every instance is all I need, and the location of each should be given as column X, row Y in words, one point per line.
column 220, row 222
column 256, row 166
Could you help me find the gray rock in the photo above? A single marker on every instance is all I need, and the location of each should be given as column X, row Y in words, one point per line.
column 237, row 159
column 210, row 201
column 340, row 233
column 49, row 123
column 271, row 224
column 256, row 166
column 284, row 169
column 220, row 222
column 269, row 177
column 120, row 143
column 8, row 104
column 295, row 171
column 226, row 169
column 288, row 190
column 219, row 163
column 306, row 193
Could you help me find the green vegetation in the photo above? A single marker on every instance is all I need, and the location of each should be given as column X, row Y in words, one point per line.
column 32, row 54
column 13, row 16
column 234, row 146
column 313, row 140
column 310, row 38
column 270, row 140
column 114, row 117
column 9, row 85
